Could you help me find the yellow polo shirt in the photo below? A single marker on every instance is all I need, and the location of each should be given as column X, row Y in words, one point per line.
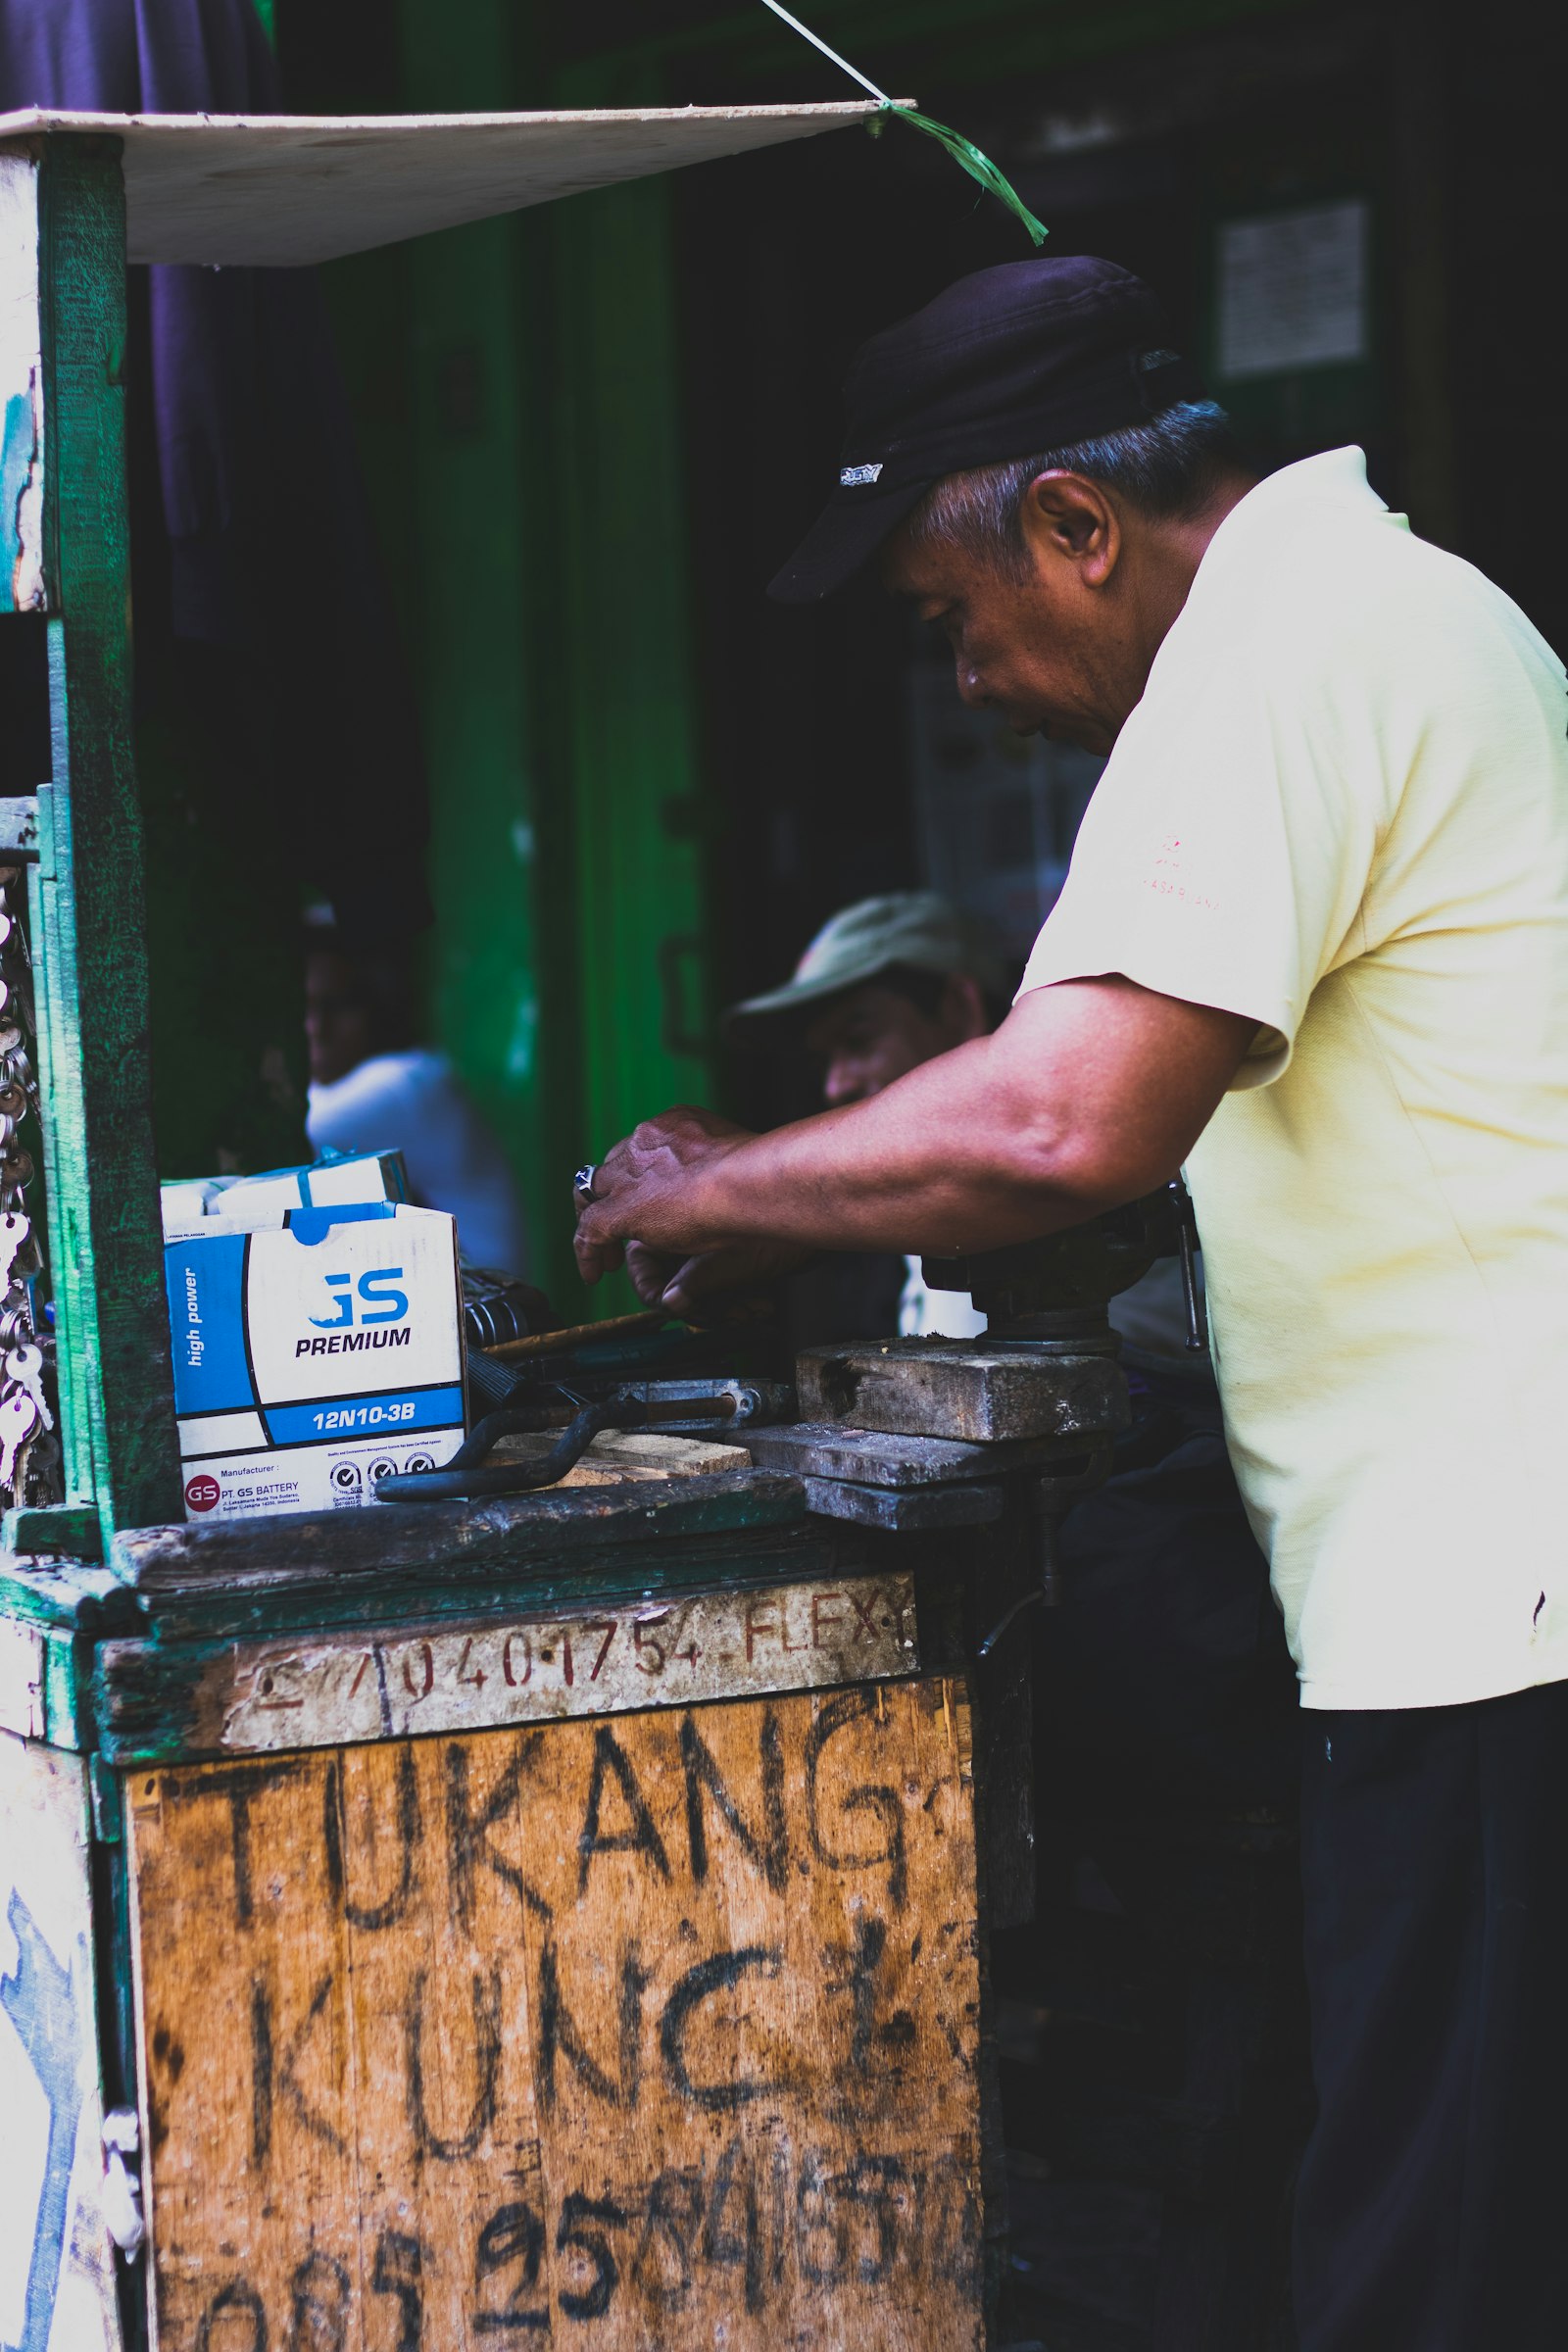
column 1342, row 809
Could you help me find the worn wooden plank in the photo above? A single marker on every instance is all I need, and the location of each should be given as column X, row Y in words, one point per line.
column 295, row 1545
column 105, row 1233
column 901, row 1512
column 671, row 1456
column 412, row 1680
column 581, row 1580
column 290, row 189
column 659, row 2032
column 962, row 1389
column 636, row 1454
column 57, row 2289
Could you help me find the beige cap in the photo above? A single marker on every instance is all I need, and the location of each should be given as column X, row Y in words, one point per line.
column 914, row 928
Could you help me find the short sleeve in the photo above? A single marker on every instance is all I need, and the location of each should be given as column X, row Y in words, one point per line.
column 1225, row 855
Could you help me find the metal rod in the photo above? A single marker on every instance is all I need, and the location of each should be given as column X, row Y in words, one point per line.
column 579, row 1334
column 458, row 1482
column 469, row 1474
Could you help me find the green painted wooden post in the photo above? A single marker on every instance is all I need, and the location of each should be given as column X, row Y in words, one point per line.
column 105, row 1239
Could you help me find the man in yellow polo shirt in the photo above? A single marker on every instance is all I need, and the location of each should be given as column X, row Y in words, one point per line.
column 1314, row 944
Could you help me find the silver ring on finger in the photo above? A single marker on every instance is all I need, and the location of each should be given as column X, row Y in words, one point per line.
column 582, row 1184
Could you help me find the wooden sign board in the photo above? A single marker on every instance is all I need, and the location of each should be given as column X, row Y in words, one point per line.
column 57, row 2288
column 328, row 1690
column 652, row 2030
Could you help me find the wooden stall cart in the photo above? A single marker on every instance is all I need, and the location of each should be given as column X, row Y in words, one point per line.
column 559, row 1916
column 555, row 1919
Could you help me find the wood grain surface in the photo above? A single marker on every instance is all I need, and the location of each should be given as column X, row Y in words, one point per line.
column 655, row 2032
column 330, row 1690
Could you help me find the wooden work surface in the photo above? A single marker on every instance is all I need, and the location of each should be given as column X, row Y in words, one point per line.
column 653, row 2031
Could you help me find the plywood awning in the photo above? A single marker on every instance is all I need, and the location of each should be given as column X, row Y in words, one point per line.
column 283, row 190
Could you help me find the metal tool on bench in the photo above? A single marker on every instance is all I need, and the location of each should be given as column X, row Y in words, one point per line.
column 676, row 1407
column 923, row 1433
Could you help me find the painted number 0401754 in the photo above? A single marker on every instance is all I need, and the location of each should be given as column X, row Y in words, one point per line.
column 575, row 1653
column 701, row 1646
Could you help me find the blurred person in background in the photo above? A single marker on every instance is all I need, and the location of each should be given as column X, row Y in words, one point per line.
column 373, row 1089
column 886, row 985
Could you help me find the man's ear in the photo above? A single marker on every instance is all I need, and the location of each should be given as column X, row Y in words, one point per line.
column 1068, row 518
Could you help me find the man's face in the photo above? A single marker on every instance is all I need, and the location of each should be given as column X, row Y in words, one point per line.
column 1054, row 651
column 337, row 1029
column 872, row 1034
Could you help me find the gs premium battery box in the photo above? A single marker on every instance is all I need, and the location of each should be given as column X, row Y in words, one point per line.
column 339, row 1179
column 314, row 1356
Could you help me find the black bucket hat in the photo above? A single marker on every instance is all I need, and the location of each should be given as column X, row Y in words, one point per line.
column 1028, row 357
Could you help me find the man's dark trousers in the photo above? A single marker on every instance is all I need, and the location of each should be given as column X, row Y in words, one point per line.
column 1432, row 2214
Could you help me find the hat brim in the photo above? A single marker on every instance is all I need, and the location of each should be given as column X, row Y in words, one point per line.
column 797, row 996
column 842, row 541
column 800, row 996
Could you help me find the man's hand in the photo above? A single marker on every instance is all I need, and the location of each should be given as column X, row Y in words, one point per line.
column 1091, row 1092
column 657, row 1165
column 621, row 1225
column 730, row 1285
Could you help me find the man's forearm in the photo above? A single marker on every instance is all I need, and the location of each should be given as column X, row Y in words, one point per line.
column 943, row 1161
column 1090, row 1093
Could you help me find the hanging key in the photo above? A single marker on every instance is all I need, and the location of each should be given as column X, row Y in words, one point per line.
column 15, row 1232
column 25, row 1365
column 19, row 1418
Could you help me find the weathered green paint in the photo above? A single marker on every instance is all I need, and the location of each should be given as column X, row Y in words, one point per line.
column 67, row 1594
column 487, row 578
column 69, row 1529
column 641, row 973
column 105, row 1239
column 568, row 963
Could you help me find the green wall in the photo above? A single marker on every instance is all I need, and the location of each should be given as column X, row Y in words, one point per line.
column 548, row 609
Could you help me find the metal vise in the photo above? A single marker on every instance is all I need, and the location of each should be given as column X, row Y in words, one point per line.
column 939, row 1433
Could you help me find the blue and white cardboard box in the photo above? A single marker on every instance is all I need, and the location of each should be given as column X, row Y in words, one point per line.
column 336, row 1179
column 314, row 1357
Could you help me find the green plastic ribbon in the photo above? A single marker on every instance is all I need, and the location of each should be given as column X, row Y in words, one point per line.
column 979, row 166
column 964, row 153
